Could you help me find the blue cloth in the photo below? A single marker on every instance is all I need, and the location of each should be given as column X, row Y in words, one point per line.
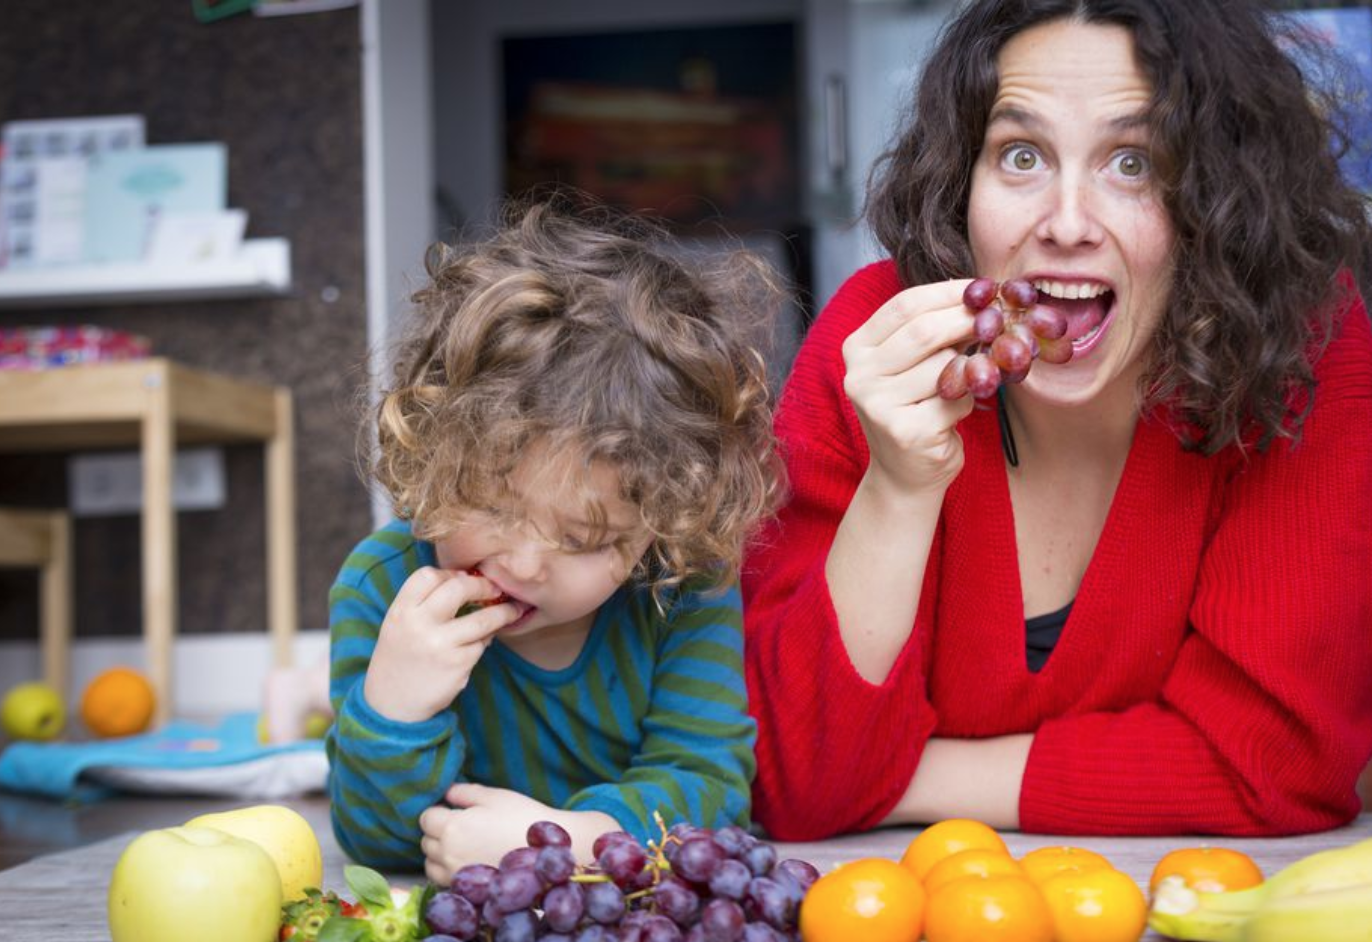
column 55, row 769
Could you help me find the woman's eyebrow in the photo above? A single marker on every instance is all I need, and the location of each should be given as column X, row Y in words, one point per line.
column 1013, row 114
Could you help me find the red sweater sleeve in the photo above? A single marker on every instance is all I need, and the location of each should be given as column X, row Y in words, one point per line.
column 834, row 751
column 1265, row 719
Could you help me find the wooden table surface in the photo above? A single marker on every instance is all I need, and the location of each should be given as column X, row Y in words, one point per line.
column 61, row 895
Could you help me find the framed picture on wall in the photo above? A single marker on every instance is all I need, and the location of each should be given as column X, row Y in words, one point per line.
column 691, row 124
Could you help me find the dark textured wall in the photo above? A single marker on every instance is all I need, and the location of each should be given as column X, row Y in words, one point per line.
column 284, row 94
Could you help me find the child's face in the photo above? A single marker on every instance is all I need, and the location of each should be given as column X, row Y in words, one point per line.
column 546, row 564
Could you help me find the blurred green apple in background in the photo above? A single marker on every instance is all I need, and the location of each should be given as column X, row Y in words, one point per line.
column 33, row 711
column 184, row 883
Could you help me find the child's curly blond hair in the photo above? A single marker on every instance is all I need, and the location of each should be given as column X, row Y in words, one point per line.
column 575, row 332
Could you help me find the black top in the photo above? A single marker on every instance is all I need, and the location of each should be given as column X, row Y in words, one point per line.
column 1041, row 635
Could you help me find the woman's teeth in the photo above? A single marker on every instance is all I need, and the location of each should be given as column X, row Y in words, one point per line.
column 1072, row 291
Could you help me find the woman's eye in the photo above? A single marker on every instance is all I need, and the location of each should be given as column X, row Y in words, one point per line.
column 1021, row 157
column 1131, row 164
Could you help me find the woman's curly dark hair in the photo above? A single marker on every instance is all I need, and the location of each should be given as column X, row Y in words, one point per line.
column 1244, row 151
column 577, row 333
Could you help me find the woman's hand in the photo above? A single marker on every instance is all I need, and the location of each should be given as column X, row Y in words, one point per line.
column 481, row 824
column 893, row 362
column 892, row 366
column 424, row 653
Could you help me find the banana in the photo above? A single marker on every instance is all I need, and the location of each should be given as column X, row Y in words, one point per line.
column 1182, row 913
column 1326, row 870
column 1342, row 915
column 1177, row 913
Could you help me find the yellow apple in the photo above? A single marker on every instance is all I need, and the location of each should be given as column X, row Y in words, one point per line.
column 286, row 837
column 317, row 724
column 33, row 711
column 194, row 883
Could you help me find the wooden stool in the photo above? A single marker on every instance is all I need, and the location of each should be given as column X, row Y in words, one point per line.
column 157, row 405
column 42, row 538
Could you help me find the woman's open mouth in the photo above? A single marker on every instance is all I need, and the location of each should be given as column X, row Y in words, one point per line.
column 1087, row 306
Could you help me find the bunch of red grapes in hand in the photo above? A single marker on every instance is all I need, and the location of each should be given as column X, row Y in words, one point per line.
column 693, row 885
column 1012, row 330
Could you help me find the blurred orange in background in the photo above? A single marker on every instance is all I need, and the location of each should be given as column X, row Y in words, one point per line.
column 118, row 702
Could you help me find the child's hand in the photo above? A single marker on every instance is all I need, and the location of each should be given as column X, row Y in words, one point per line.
column 486, row 823
column 482, row 825
column 425, row 654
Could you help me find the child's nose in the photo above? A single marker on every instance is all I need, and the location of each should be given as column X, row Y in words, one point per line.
column 524, row 558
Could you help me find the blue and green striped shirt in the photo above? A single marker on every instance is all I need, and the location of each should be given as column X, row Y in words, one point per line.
column 652, row 716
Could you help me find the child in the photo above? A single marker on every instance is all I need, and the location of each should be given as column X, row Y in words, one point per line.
column 578, row 439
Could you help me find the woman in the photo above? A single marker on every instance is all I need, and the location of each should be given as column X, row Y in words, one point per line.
column 1132, row 595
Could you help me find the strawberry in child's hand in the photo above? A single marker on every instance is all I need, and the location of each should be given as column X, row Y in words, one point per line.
column 478, row 605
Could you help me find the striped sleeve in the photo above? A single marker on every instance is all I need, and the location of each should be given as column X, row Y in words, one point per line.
column 383, row 774
column 695, row 760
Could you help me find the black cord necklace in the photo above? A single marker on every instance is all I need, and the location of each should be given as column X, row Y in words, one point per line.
column 1007, row 436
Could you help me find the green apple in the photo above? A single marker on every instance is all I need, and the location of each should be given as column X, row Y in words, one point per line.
column 286, row 837
column 194, row 883
column 317, row 724
column 33, row 711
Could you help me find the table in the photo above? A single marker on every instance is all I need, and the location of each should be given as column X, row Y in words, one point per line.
column 157, row 404
column 62, row 895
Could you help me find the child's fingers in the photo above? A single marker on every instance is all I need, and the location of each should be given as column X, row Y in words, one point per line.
column 436, row 872
column 465, row 795
column 421, row 584
column 454, row 590
column 483, row 624
column 432, row 820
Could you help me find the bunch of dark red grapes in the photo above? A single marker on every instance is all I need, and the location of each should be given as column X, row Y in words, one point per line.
column 694, row 885
column 1012, row 330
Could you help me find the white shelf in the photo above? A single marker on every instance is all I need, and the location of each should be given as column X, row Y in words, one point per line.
column 261, row 269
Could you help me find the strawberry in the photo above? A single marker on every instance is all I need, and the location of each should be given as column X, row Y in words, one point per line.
column 476, row 606
column 381, row 914
column 302, row 919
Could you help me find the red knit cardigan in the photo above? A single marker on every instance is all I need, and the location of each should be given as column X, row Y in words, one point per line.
column 1215, row 673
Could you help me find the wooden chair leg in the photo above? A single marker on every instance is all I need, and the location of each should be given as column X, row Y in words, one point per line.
column 42, row 539
column 55, row 589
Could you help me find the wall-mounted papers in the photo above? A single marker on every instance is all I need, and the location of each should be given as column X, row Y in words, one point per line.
column 197, row 238
column 127, row 193
column 43, row 184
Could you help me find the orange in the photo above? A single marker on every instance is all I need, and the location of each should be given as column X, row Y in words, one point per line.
column 945, row 838
column 118, row 702
column 988, row 909
column 1208, row 869
column 1100, row 905
column 972, row 862
column 1045, row 862
column 873, row 899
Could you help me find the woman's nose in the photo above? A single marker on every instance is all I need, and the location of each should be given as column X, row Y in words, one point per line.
column 1070, row 217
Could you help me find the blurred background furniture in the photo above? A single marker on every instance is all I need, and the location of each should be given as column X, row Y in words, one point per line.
column 157, row 405
column 41, row 539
